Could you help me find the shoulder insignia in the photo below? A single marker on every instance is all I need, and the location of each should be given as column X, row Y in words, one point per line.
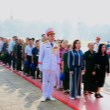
column 45, row 42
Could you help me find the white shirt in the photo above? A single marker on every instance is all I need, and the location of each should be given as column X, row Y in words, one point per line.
column 28, row 50
column 49, row 57
column 1, row 45
column 96, row 47
column 11, row 46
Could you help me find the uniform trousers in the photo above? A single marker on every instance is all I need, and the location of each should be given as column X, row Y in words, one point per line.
column 57, row 79
column 48, row 82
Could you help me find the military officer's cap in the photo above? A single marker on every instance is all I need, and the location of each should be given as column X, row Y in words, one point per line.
column 50, row 31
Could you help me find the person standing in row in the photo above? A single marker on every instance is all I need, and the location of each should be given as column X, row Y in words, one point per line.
column 101, row 67
column 35, row 55
column 63, row 48
column 12, row 58
column 108, row 49
column 19, row 54
column 33, row 40
column 49, row 60
column 108, row 45
column 89, row 67
column 65, row 71
column 76, row 65
column 5, row 50
column 43, row 39
column 96, row 44
column 28, row 55
column 25, row 43
column 1, row 44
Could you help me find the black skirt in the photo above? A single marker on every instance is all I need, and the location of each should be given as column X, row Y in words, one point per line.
column 100, row 77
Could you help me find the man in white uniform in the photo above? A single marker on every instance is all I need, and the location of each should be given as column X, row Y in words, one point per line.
column 49, row 60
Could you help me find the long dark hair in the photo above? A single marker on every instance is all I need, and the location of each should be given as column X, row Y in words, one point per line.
column 74, row 43
column 100, row 49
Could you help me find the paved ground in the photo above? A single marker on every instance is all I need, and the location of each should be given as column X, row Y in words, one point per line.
column 18, row 94
column 106, row 88
column 107, row 83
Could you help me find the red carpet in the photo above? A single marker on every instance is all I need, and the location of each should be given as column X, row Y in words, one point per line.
column 85, row 103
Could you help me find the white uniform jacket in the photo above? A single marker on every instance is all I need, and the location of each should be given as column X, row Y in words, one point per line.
column 49, row 57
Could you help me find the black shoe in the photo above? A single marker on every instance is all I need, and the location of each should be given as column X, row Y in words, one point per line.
column 14, row 68
column 24, row 73
column 90, row 92
column 27, row 75
column 86, row 93
column 66, row 92
column 33, row 78
column 98, row 96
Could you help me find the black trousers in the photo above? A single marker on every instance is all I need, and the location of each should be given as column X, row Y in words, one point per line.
column 12, row 60
column 29, row 59
column 9, row 59
column 19, row 64
column 66, row 81
column 36, row 69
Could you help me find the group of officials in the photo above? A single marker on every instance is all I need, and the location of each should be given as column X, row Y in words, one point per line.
column 59, row 64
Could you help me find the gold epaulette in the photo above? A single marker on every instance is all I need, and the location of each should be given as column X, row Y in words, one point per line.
column 45, row 42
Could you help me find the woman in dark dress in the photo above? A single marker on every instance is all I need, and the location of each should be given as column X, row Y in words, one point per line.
column 101, row 64
column 89, row 67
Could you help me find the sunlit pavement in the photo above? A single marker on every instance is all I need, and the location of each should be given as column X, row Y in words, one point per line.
column 32, row 95
column 18, row 94
column 106, row 88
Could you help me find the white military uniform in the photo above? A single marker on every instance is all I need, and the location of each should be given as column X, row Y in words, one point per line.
column 41, row 42
column 49, row 58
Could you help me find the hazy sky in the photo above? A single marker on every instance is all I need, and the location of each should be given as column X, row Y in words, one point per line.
column 89, row 11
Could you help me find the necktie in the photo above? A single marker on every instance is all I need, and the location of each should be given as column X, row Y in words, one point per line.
column 51, row 44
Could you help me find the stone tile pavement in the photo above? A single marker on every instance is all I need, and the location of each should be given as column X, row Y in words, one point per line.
column 18, row 94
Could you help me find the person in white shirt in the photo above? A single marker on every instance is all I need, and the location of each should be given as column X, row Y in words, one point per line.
column 96, row 44
column 43, row 40
column 49, row 59
column 28, row 55
column 33, row 40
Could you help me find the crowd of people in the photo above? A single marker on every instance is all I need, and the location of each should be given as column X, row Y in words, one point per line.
column 59, row 64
